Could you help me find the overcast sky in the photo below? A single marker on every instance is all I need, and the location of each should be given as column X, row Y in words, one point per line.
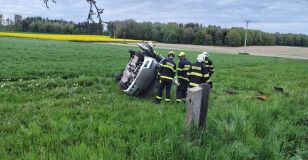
column 270, row 15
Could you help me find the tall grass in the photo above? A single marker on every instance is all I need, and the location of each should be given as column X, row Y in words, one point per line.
column 58, row 100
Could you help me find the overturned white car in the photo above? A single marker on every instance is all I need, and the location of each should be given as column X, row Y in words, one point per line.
column 140, row 75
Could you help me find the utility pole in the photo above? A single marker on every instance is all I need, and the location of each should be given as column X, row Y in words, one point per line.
column 245, row 44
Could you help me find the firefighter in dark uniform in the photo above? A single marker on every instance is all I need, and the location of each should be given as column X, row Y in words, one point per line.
column 166, row 74
column 183, row 68
column 209, row 65
column 198, row 73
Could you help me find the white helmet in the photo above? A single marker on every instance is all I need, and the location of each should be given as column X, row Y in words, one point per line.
column 205, row 54
column 201, row 58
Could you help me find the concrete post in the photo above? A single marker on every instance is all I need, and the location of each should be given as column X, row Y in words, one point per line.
column 197, row 106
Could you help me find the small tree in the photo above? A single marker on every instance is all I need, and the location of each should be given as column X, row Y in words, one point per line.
column 1, row 19
column 18, row 22
column 234, row 38
column 199, row 37
column 188, row 35
column 208, row 39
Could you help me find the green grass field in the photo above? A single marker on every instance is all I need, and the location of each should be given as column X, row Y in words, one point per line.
column 58, row 100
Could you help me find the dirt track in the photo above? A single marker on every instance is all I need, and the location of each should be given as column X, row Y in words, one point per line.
column 272, row 51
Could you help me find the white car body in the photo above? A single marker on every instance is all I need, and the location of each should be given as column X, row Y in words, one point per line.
column 143, row 79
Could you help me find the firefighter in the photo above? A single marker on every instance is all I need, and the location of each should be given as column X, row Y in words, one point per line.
column 209, row 63
column 210, row 66
column 166, row 74
column 183, row 68
column 157, row 56
column 198, row 73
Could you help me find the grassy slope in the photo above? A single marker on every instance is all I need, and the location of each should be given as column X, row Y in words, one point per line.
column 59, row 100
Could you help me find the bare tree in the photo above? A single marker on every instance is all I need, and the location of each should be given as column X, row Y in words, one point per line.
column 94, row 10
column 47, row 1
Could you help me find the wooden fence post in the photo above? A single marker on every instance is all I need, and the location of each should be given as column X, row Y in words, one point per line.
column 197, row 106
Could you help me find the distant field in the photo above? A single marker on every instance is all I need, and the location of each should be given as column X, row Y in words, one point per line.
column 58, row 100
column 66, row 37
column 269, row 51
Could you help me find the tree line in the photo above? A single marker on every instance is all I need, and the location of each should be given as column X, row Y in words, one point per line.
column 189, row 33
column 194, row 33
column 45, row 25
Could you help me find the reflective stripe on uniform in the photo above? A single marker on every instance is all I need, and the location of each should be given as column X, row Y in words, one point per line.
column 184, row 69
column 211, row 65
column 168, row 67
column 195, row 74
column 208, row 81
column 196, row 68
column 158, row 97
column 180, row 77
column 206, row 75
column 170, row 64
column 193, row 84
column 168, row 100
column 165, row 77
column 178, row 100
column 207, row 65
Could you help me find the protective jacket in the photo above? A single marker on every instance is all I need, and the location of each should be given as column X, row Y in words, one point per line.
column 167, row 69
column 198, row 74
column 183, row 69
column 209, row 64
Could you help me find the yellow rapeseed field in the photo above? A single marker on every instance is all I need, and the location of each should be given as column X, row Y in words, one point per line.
column 66, row 37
